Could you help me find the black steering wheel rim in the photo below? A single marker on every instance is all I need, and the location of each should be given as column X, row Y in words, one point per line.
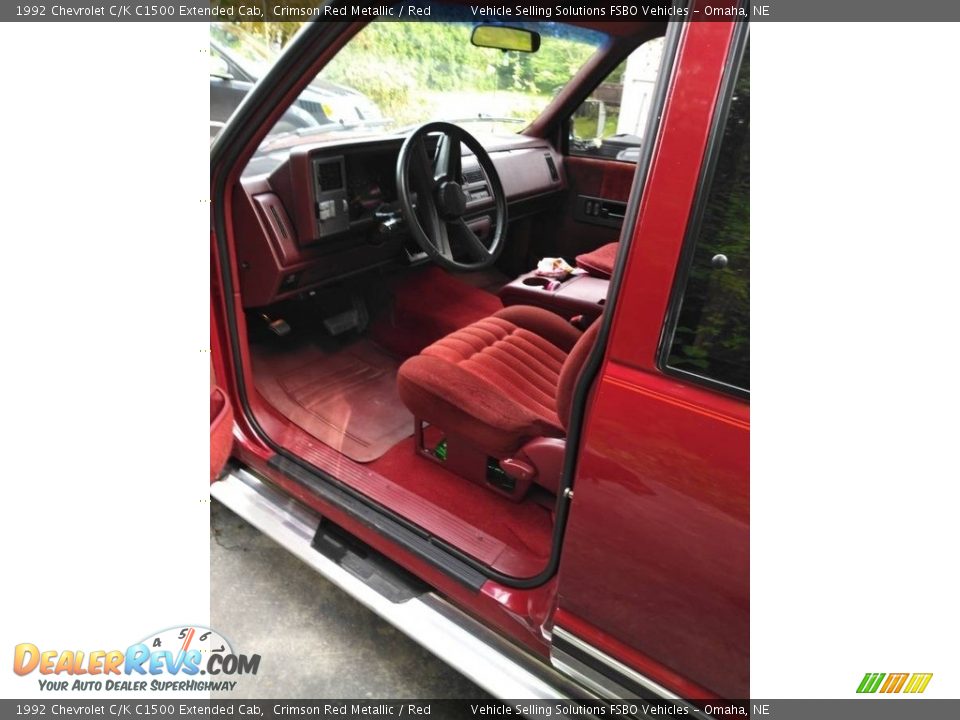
column 440, row 200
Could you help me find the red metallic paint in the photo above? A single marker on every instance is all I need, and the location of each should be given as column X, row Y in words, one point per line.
column 655, row 563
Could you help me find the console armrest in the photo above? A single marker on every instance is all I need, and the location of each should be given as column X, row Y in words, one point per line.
column 578, row 295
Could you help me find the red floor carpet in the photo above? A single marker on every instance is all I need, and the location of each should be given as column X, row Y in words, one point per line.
column 428, row 306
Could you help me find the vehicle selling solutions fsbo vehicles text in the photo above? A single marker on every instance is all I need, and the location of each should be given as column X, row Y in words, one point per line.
column 573, row 10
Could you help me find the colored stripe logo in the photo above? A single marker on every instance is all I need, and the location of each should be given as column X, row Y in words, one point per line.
column 894, row 682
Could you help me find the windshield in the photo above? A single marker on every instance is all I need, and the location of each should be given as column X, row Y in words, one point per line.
column 420, row 71
column 394, row 75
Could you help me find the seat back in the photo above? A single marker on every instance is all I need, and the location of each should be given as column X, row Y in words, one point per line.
column 570, row 372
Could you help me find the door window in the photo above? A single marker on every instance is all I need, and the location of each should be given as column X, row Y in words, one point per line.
column 610, row 123
column 711, row 334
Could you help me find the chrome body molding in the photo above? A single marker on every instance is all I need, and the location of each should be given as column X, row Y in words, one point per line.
column 607, row 676
column 496, row 665
column 589, row 673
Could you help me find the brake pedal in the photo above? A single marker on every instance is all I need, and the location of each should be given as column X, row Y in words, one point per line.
column 353, row 318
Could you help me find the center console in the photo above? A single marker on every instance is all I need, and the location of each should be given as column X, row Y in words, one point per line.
column 576, row 295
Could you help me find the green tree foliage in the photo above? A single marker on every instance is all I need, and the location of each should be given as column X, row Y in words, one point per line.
column 399, row 64
column 441, row 56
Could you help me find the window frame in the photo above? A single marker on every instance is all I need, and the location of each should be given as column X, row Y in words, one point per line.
column 694, row 224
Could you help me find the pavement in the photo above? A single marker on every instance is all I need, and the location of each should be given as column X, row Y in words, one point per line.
column 315, row 642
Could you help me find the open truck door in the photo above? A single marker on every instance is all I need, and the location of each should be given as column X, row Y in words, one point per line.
column 653, row 597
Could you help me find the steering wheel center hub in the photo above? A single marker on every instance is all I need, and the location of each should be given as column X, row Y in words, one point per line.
column 451, row 201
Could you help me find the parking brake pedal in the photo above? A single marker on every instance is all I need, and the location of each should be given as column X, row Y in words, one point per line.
column 278, row 327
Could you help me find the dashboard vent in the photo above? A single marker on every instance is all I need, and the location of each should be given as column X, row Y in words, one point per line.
column 279, row 222
column 329, row 176
column 473, row 176
column 554, row 175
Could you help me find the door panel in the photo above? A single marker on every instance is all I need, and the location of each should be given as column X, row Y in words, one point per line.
column 221, row 428
column 654, row 576
column 605, row 137
column 659, row 528
column 605, row 182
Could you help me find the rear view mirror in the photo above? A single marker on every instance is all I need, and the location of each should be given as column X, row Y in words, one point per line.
column 499, row 37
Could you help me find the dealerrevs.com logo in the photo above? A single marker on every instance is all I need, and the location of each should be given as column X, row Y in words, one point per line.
column 894, row 683
column 173, row 659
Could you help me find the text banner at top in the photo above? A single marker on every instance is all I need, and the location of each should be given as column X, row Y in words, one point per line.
column 523, row 10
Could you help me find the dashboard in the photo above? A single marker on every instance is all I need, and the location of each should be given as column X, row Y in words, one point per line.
column 315, row 213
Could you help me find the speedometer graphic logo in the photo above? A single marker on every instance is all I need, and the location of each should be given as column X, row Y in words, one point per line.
column 184, row 639
column 193, row 650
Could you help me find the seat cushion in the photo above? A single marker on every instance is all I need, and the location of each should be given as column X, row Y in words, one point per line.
column 493, row 382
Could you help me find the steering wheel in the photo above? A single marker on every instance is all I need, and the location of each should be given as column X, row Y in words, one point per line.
column 433, row 203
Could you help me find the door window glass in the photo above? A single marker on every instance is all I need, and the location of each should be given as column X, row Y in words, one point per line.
column 611, row 121
column 712, row 333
